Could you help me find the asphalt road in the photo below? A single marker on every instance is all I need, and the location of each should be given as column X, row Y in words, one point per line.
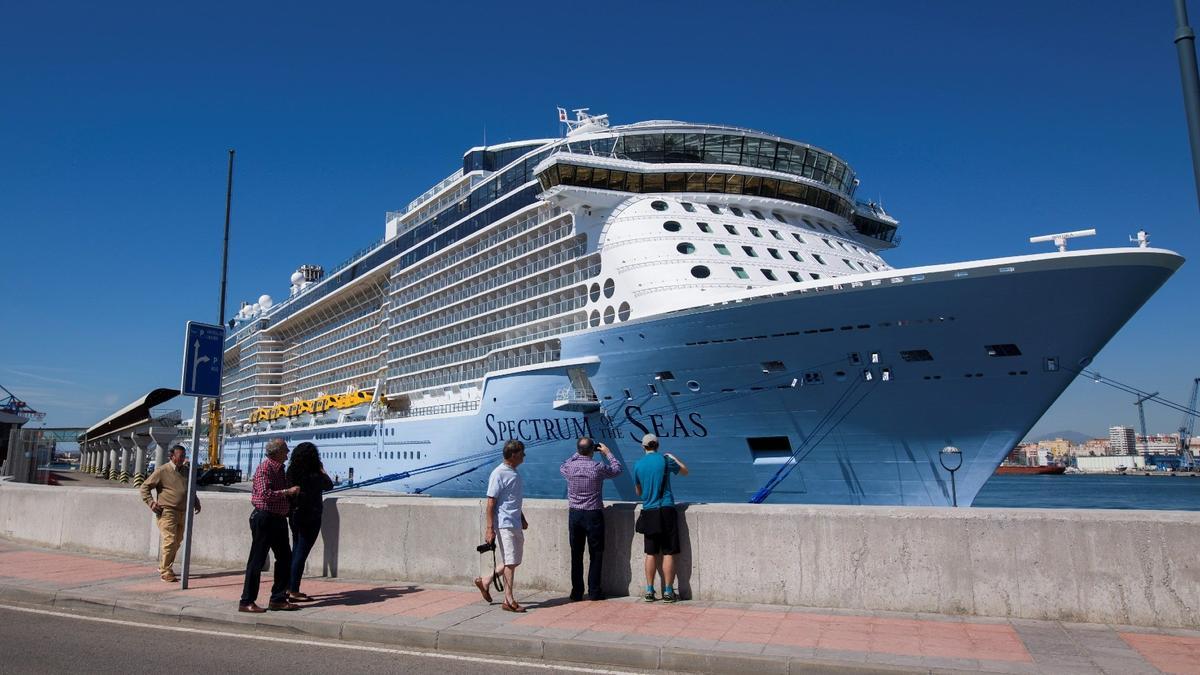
column 49, row 641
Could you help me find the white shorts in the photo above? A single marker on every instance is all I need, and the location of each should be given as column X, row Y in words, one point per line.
column 511, row 545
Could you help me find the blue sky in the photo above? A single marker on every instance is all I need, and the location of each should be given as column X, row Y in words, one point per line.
column 978, row 124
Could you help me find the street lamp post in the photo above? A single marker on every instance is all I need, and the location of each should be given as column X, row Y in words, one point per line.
column 951, row 459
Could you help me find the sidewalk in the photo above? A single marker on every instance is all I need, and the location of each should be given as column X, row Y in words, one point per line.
column 624, row 632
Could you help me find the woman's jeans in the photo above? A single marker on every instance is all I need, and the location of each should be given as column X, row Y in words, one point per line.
column 305, row 531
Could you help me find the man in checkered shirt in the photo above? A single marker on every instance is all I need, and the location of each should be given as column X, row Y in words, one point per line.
column 585, row 485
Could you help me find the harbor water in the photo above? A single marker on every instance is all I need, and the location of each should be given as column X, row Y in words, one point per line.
column 1083, row 491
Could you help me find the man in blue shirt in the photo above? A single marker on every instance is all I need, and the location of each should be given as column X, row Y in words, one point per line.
column 652, row 480
column 506, row 522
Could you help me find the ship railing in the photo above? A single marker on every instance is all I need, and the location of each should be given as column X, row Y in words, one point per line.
column 449, row 260
column 440, row 409
column 585, row 394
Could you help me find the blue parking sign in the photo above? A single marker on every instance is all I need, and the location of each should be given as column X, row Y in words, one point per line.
column 203, row 349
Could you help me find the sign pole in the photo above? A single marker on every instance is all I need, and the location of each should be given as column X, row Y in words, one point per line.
column 203, row 346
column 189, row 513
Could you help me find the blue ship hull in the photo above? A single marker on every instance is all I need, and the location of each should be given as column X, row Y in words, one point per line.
column 818, row 373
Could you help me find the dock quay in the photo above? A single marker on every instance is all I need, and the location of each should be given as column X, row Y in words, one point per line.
column 769, row 589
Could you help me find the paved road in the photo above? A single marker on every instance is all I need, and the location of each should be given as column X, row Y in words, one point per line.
column 48, row 641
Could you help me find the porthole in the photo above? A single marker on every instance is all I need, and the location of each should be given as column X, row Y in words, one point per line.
column 623, row 311
column 685, row 248
column 594, row 293
column 658, row 205
column 700, row 272
column 672, row 226
column 693, row 385
column 609, row 314
column 595, row 318
column 609, row 287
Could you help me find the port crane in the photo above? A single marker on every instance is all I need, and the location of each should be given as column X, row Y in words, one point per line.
column 1187, row 426
column 16, row 406
column 1142, row 420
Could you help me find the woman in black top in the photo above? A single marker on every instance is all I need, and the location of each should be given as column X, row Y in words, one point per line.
column 306, row 472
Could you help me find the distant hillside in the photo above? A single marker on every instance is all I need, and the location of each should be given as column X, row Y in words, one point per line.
column 1073, row 436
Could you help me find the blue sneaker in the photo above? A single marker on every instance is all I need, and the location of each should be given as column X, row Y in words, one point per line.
column 670, row 597
column 649, row 597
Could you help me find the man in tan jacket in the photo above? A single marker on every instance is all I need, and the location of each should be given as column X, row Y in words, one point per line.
column 171, row 481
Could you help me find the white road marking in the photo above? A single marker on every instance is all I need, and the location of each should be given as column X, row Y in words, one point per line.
column 323, row 643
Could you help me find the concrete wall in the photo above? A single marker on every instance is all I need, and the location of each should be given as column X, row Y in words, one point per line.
column 1125, row 567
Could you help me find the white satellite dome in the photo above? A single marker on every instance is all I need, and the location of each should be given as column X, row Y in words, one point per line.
column 265, row 302
column 297, row 278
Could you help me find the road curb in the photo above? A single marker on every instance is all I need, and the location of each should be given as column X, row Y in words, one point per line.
column 398, row 636
column 646, row 657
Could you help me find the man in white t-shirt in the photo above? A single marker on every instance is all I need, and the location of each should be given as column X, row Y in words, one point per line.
column 506, row 523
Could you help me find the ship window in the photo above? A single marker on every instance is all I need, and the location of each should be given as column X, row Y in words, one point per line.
column 916, row 355
column 826, row 242
column 687, row 206
column 814, row 276
column 714, row 208
column 658, row 205
column 757, row 214
column 730, row 229
column 1003, row 350
column 813, row 377
column 741, row 273
column 750, row 251
column 779, row 216
column 736, row 211
column 848, row 264
column 770, row 447
column 769, row 274
column 609, row 314
column 798, row 237
column 653, row 390
column 773, row 367
column 794, row 275
column 818, row 258
column 664, row 375
column 671, row 226
column 594, row 320
column 623, row 311
column 795, row 256
column 628, row 395
column 754, row 231
column 700, row 272
column 775, row 253
column 594, row 292
column 722, row 249
column 704, row 227
column 609, row 287
column 685, row 248
column 775, row 233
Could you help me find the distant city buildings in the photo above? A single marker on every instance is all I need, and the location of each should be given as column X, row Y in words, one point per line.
column 1121, row 440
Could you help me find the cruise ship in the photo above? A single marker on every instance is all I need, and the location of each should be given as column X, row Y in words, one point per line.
column 717, row 286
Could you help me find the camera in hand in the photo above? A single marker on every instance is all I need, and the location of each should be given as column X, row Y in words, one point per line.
column 484, row 548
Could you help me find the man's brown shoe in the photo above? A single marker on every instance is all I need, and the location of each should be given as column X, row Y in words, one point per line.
column 251, row 608
column 170, row 578
column 282, row 607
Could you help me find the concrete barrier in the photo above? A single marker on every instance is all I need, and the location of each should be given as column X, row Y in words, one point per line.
column 1123, row 567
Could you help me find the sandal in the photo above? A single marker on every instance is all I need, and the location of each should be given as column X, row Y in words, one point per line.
column 512, row 608
column 483, row 589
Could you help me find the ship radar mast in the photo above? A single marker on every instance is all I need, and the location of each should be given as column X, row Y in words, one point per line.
column 583, row 122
